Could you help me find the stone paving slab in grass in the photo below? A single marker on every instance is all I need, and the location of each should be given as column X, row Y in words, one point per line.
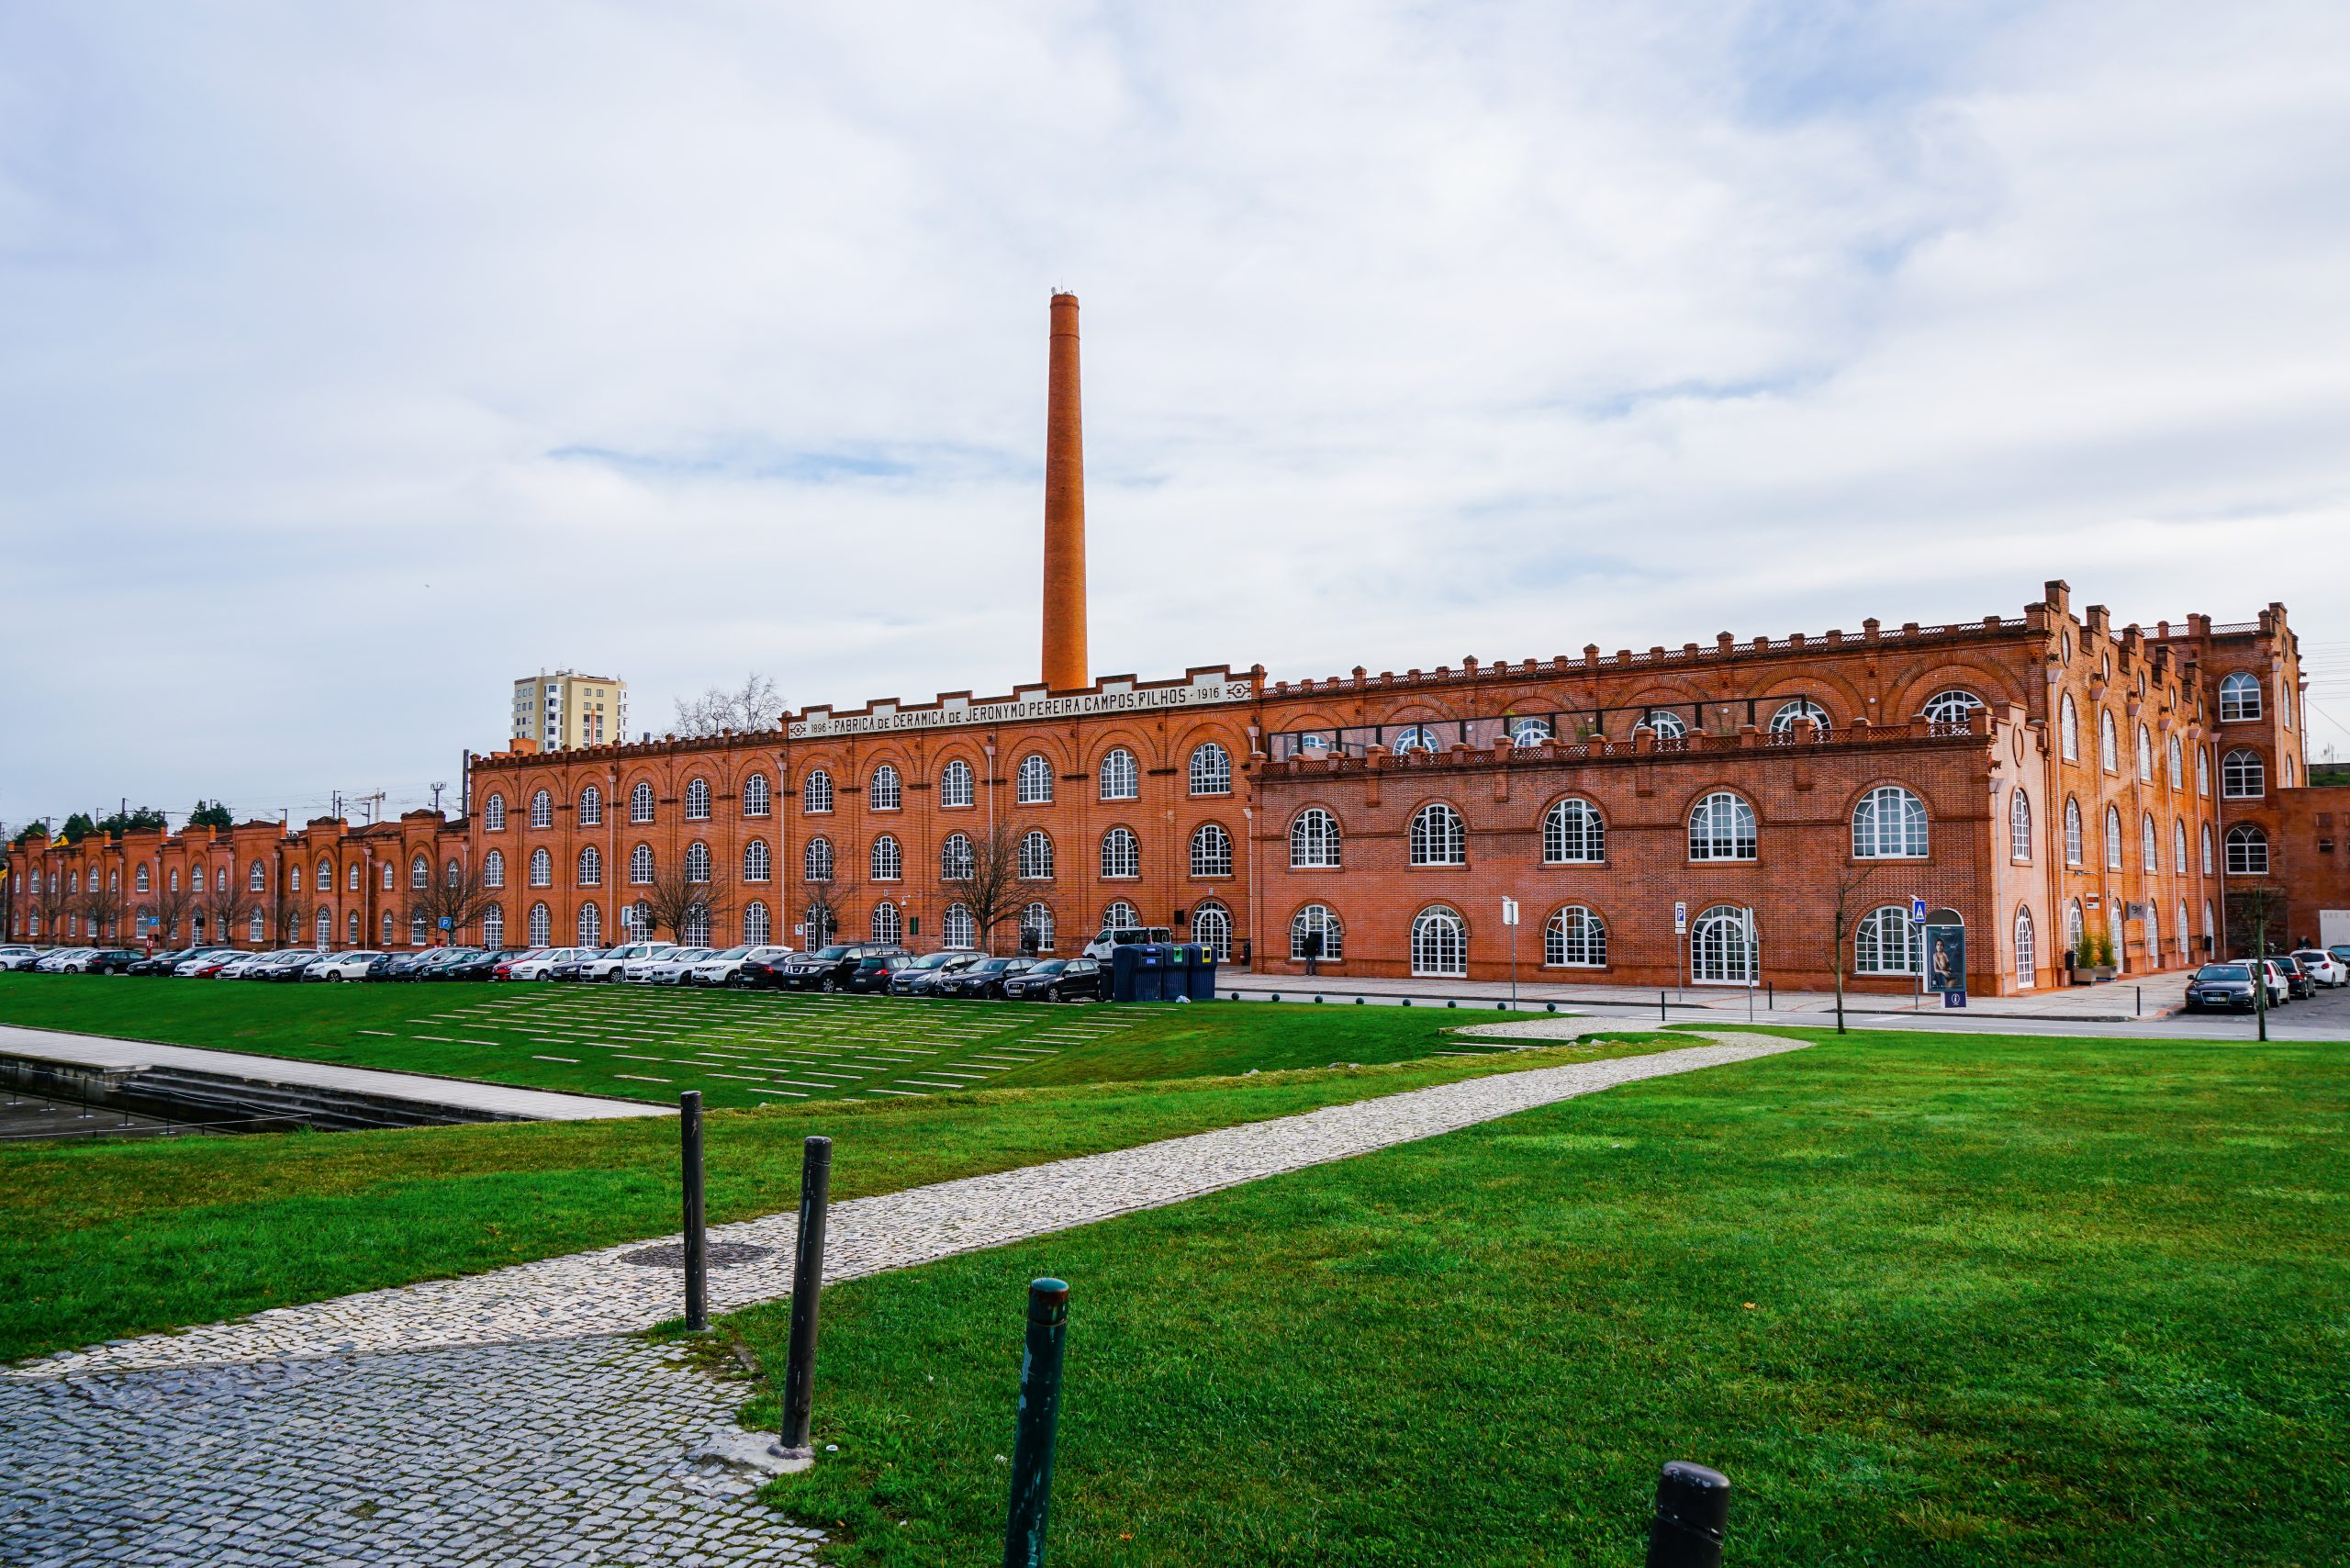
column 604, row 1293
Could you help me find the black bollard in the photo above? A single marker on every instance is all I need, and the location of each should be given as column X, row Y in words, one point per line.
column 1692, row 1512
column 697, row 1238
column 1660, row 1007
column 1040, row 1410
column 807, row 1289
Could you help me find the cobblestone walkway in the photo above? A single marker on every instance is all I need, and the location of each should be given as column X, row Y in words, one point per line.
column 500, row 1418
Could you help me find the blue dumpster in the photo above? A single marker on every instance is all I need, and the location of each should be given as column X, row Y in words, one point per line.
column 1150, row 972
column 1203, row 976
column 1124, row 962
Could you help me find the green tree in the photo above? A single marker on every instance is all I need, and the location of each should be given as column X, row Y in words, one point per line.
column 209, row 813
column 77, row 827
column 116, row 823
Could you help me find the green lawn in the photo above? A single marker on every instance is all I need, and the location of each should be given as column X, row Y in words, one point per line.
column 738, row 1048
column 107, row 1239
column 1926, row 1300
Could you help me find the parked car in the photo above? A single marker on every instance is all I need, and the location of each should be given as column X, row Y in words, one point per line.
column 1109, row 939
column 408, row 966
column 286, row 964
column 2323, row 967
column 2297, row 978
column 609, row 964
column 237, row 967
column 440, row 960
column 726, row 969
column 672, row 967
column 533, row 965
column 2280, row 988
column 2221, row 985
column 54, row 962
column 575, row 966
column 874, row 970
column 478, row 963
column 357, row 965
column 827, row 968
column 17, row 956
column 160, row 963
column 100, row 961
column 1058, row 979
column 917, row 977
column 985, row 978
column 208, row 963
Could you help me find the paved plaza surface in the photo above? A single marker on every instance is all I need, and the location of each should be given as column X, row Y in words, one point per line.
column 504, row 1418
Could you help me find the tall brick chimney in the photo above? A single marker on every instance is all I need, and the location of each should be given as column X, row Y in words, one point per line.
column 1065, row 657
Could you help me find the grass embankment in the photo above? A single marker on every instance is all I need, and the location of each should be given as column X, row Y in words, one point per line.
column 99, row 1240
column 1926, row 1300
column 738, row 1049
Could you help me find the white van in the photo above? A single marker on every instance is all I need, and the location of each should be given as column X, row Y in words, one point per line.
column 1109, row 939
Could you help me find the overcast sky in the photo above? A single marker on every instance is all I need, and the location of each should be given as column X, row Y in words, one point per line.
column 355, row 361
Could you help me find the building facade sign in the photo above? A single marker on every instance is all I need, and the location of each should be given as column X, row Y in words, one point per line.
column 1021, row 709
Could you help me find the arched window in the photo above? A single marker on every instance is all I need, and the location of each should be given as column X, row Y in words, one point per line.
column 959, row 929
column 256, row 928
column 387, row 928
column 1313, row 840
column 493, row 869
column 886, row 862
column 1575, row 938
column 1721, row 827
column 2207, row 849
column 697, row 862
column 1663, row 723
column 888, row 925
column 1953, row 709
column 141, row 883
column 757, row 863
column 1310, row 919
column 2178, row 851
column 388, row 875
column 2072, row 831
column 325, row 883
column 1573, row 834
column 591, row 807
column 2239, row 698
column 351, row 876
column 1034, row 784
column 2210, row 929
column 886, row 793
column 541, row 810
column 1415, row 737
column 2068, row 728
column 1439, row 943
column 1211, row 770
column 453, row 875
column 2154, row 938
column 1210, row 851
column 1782, row 722
column 590, row 867
column 420, row 873
column 956, row 861
column 1529, row 731
column 2202, row 772
column 591, row 926
column 816, row 861
column 756, row 927
column 1036, row 856
column 2183, row 939
column 2107, row 757
column 640, row 866
column 1121, row 916
column 757, row 800
column 1438, row 836
column 2289, row 772
column 196, row 878
column 542, row 869
column 542, row 925
column 1887, row 944
column 1721, row 948
column 2018, row 825
column 323, row 928
column 694, row 929
column 954, row 784
column 493, row 927
column 2247, row 851
column 2150, row 846
column 1037, row 930
column 640, row 803
column 2177, row 772
column 2027, row 959
column 493, row 815
column 1211, row 929
column 2145, row 755
column 2112, row 838
column 1121, row 854
column 2242, row 776
column 293, row 879
column 697, row 801
column 816, row 792
column 1120, row 779
column 1889, row 823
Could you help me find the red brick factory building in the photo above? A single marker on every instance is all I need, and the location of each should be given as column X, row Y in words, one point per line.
column 2043, row 775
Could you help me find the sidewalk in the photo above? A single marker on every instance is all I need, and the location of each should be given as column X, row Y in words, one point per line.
column 2126, row 1000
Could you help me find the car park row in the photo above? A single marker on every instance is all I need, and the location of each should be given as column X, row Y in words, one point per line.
column 2287, row 977
column 870, row 968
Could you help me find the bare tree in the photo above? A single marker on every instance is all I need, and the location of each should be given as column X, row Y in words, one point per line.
column 228, row 905
column 2249, row 913
column 828, row 902
column 49, row 903
column 994, row 887
column 165, row 907
column 458, row 895
column 754, row 706
column 102, row 906
column 674, row 904
column 1842, row 921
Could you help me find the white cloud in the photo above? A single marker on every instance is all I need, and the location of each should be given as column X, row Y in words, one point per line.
column 354, row 364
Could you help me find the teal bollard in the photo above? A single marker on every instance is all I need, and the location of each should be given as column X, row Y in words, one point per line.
column 1040, row 1410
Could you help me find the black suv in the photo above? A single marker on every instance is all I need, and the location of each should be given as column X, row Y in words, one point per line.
column 827, row 968
column 1058, row 979
column 985, row 978
column 163, row 963
column 875, row 970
